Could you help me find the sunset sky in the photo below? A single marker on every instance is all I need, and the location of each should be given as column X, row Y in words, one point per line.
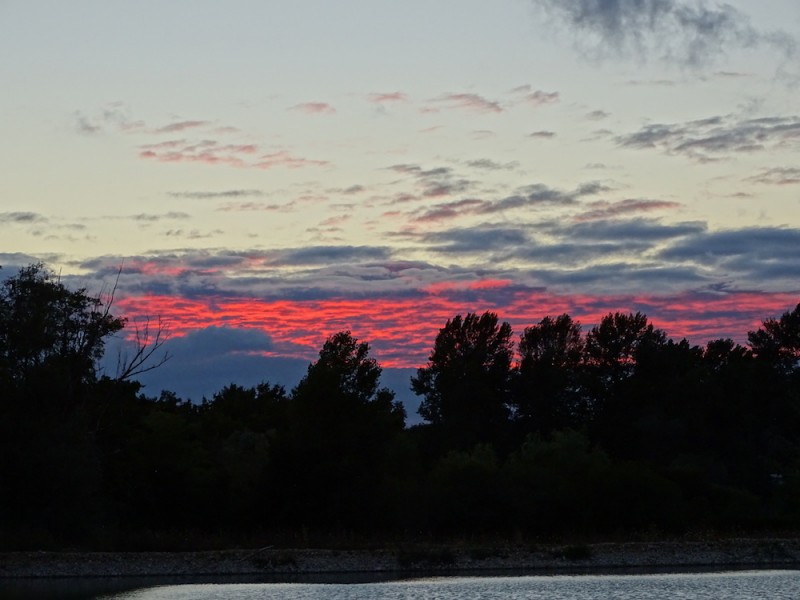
column 268, row 173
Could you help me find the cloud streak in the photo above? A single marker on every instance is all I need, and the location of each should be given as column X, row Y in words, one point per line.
column 226, row 194
column 470, row 102
column 718, row 137
column 181, row 126
column 212, row 152
column 603, row 209
column 777, row 176
column 21, row 218
column 388, row 97
column 314, row 108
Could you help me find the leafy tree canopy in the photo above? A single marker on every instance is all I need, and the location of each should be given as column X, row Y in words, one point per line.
column 47, row 328
column 778, row 340
column 466, row 383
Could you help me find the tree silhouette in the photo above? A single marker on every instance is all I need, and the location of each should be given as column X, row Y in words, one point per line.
column 614, row 349
column 778, row 341
column 50, row 337
column 547, row 392
column 614, row 345
column 466, row 383
column 341, row 431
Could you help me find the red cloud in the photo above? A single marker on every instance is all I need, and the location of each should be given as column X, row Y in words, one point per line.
column 442, row 287
column 402, row 330
column 181, row 126
column 314, row 108
column 388, row 97
column 213, row 153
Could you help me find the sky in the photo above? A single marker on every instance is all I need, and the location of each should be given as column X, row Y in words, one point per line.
column 258, row 175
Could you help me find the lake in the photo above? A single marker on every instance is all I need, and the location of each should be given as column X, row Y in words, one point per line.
column 736, row 585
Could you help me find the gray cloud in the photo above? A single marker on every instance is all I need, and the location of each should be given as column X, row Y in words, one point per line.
column 85, row 125
column 477, row 239
column 529, row 196
column 764, row 243
column 471, row 102
column 600, row 256
column 540, row 98
column 540, row 194
column 609, row 278
column 436, row 182
column 542, row 134
column 316, row 255
column 450, row 210
column 688, row 33
column 11, row 262
column 115, row 115
column 568, row 254
column 652, row 82
column 193, row 234
column 597, row 115
column 215, row 195
column 716, row 137
column 21, row 217
column 255, row 206
column 603, row 209
column 632, row 229
column 766, row 254
column 353, row 189
column 777, row 176
column 152, row 218
column 491, row 165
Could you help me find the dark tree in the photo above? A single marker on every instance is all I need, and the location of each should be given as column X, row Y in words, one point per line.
column 55, row 408
column 547, row 392
column 614, row 350
column 722, row 354
column 615, row 344
column 466, row 383
column 778, row 341
column 776, row 346
column 344, row 368
column 342, row 429
column 50, row 337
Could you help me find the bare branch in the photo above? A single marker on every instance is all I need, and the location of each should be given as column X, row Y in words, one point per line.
column 147, row 344
column 146, row 341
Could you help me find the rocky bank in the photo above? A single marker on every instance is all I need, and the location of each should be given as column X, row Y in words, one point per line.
column 679, row 555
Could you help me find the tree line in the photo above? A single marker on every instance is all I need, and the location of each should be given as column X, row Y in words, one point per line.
column 558, row 431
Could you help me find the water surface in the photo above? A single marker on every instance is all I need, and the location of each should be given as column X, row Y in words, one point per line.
column 743, row 585
column 739, row 585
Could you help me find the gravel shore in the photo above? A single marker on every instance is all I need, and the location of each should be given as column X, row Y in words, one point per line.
column 784, row 553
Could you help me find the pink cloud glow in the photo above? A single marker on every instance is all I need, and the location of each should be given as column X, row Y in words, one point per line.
column 382, row 98
column 402, row 330
column 213, row 153
column 314, row 108
column 181, row 126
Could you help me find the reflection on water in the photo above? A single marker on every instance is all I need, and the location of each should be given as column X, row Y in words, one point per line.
column 743, row 585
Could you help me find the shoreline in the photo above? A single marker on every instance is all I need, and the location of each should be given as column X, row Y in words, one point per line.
column 434, row 560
